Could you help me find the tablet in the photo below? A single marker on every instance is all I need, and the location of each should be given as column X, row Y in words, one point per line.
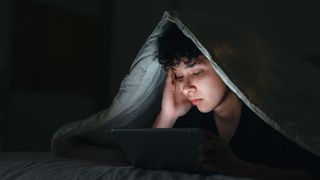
column 173, row 149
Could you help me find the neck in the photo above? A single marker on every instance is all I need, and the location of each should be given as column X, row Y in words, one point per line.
column 227, row 115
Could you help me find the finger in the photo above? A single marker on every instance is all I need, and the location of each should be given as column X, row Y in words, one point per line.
column 169, row 77
column 209, row 157
column 173, row 76
column 209, row 146
column 212, row 149
column 179, row 92
column 209, row 167
column 211, row 136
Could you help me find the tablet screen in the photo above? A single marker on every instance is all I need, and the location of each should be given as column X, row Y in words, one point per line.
column 174, row 149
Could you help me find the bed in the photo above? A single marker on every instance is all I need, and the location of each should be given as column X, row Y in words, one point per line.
column 45, row 165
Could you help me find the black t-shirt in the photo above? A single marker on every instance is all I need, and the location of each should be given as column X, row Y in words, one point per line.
column 255, row 141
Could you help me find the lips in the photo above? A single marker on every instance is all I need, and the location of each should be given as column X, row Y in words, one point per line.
column 195, row 101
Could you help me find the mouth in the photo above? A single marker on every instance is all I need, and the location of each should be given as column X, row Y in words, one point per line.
column 195, row 101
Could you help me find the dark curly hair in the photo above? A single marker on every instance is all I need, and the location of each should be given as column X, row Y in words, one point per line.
column 174, row 46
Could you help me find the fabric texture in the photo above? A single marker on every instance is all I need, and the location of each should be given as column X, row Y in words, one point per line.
column 44, row 165
column 279, row 88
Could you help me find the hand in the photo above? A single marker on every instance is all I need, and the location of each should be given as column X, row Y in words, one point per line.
column 174, row 103
column 216, row 156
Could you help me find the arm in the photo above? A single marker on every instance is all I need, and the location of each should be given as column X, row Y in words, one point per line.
column 174, row 104
column 216, row 156
column 264, row 172
column 163, row 121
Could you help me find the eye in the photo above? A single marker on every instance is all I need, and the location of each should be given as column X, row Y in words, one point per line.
column 197, row 73
column 179, row 78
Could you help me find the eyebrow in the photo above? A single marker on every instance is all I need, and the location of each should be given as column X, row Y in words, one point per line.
column 192, row 65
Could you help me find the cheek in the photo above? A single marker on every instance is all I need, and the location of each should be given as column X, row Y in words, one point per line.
column 213, row 87
column 179, row 85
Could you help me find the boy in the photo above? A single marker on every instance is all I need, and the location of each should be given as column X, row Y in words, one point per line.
column 191, row 81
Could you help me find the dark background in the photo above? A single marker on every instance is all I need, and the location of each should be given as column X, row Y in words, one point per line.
column 63, row 60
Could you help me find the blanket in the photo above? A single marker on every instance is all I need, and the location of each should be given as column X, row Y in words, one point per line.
column 281, row 89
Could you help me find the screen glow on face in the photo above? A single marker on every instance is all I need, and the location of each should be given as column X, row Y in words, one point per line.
column 195, row 70
column 199, row 82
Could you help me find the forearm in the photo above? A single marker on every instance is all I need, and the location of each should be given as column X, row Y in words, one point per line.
column 163, row 121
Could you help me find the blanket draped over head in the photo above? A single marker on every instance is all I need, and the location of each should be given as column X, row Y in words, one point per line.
column 281, row 89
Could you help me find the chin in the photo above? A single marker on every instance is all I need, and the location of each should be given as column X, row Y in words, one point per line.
column 204, row 109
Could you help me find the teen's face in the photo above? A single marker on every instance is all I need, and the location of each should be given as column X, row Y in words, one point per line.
column 200, row 84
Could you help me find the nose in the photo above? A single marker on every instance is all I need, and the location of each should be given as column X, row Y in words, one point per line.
column 188, row 88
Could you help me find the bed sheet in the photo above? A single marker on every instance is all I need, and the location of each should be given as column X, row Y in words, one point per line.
column 44, row 165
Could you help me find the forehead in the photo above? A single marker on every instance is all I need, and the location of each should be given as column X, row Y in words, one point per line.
column 197, row 62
